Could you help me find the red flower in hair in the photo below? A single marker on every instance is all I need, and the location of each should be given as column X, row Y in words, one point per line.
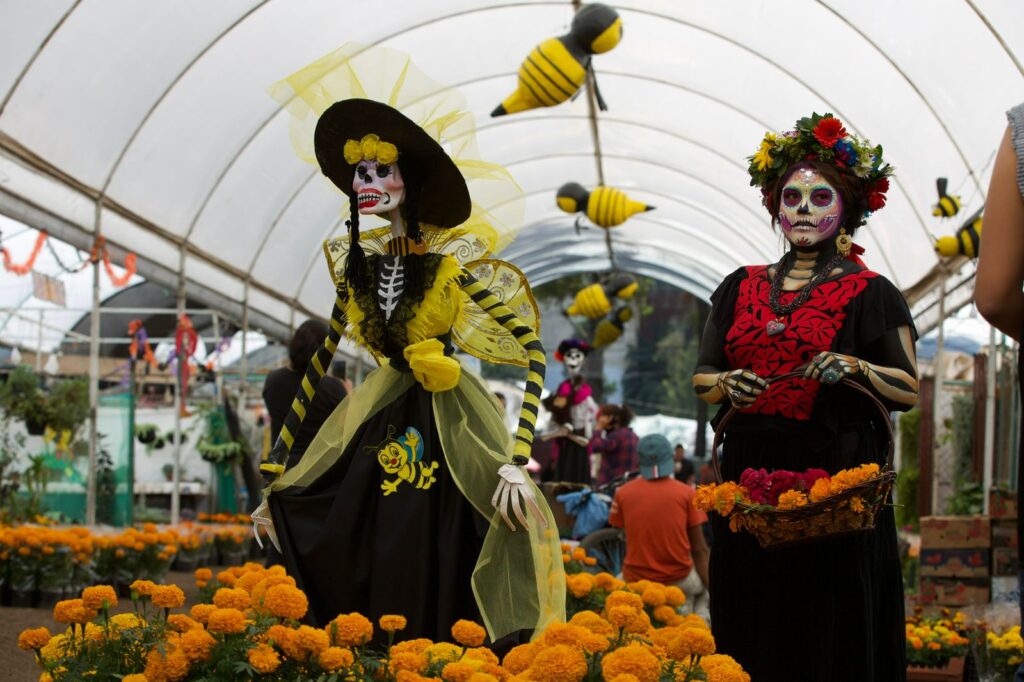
column 829, row 131
column 876, row 194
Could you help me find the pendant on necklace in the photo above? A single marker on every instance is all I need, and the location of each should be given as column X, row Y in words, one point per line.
column 775, row 326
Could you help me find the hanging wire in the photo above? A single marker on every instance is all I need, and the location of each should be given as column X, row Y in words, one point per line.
column 60, row 263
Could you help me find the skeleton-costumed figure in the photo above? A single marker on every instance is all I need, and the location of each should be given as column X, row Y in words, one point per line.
column 411, row 498
column 819, row 311
column 572, row 409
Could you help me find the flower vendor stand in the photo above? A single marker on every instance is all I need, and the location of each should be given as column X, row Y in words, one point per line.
column 952, row 671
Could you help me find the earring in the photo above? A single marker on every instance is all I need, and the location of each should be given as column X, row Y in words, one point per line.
column 844, row 242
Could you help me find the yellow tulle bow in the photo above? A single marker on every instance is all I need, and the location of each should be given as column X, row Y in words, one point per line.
column 370, row 148
column 431, row 367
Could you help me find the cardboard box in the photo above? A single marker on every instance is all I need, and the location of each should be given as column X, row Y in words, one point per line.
column 955, row 532
column 955, row 563
column 1005, row 590
column 1005, row 561
column 1004, row 533
column 1002, row 504
column 955, row 591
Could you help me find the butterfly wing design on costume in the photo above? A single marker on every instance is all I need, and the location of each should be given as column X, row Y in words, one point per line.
column 479, row 334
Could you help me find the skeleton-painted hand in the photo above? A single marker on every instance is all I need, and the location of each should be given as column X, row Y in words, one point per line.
column 829, row 368
column 512, row 491
column 741, row 387
column 261, row 517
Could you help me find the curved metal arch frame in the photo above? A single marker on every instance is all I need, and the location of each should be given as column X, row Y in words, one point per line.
column 885, row 256
column 691, row 286
column 668, row 197
column 35, row 55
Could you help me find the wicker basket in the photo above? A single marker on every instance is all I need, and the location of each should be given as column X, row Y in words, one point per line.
column 829, row 518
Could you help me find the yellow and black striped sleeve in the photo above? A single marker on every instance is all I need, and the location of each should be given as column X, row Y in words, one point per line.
column 528, row 339
column 321, row 360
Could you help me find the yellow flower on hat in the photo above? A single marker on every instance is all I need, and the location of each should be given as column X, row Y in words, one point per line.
column 370, row 148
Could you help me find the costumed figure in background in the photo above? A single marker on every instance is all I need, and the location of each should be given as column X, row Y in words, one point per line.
column 821, row 312
column 186, row 340
column 573, row 410
column 412, row 497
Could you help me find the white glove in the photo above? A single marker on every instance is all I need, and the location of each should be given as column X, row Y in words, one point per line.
column 512, row 491
column 261, row 517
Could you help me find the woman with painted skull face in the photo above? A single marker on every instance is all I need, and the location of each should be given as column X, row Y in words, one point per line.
column 412, row 497
column 820, row 312
column 573, row 408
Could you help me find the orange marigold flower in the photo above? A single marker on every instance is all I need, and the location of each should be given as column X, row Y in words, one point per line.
column 482, row 654
column 392, row 623
column 626, row 677
column 227, row 578
column 578, row 554
column 519, row 658
column 232, row 598
column 312, row 640
column 227, row 621
column 857, row 504
column 335, row 658
column 621, row 616
column 410, row 676
column 99, row 597
column 623, row 598
column 263, row 658
column 134, row 677
column 72, row 611
column 172, row 665
column 699, row 641
column 593, row 622
column 204, row 574
column 820, row 490
column 634, row 659
column 179, row 622
column 348, row 629
column 791, row 499
column 579, row 584
column 197, row 644
column 168, row 596
column 722, row 668
column 559, row 663
column 407, row 660
column 607, row 582
column 664, row 613
column 468, row 633
column 284, row 637
column 458, row 671
column 443, row 652
column 654, row 596
column 201, row 612
column 285, row 601
column 418, row 646
column 33, row 638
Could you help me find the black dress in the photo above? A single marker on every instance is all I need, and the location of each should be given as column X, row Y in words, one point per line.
column 830, row 610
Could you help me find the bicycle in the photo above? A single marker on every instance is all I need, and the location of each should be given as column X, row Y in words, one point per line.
column 608, row 545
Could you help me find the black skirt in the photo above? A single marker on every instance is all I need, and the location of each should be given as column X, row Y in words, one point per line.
column 374, row 534
column 573, row 463
column 829, row 610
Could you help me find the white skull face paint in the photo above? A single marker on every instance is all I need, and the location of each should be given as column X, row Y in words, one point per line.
column 573, row 360
column 810, row 208
column 378, row 187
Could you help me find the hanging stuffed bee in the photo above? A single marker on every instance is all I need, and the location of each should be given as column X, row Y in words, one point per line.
column 610, row 329
column 594, row 301
column 966, row 241
column 557, row 68
column 947, row 206
column 605, row 207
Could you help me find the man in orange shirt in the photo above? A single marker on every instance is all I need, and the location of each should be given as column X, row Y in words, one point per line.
column 664, row 536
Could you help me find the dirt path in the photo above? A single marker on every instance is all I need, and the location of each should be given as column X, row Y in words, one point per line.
column 20, row 666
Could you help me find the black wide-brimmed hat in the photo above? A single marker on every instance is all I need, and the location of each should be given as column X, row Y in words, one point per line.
column 444, row 198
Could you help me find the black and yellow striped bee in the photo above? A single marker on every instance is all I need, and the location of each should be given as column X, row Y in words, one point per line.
column 948, row 205
column 610, row 329
column 966, row 241
column 595, row 301
column 606, row 207
column 557, row 68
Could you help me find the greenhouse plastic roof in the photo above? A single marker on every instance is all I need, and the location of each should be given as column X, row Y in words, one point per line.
column 160, row 112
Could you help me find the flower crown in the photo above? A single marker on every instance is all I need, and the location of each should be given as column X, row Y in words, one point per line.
column 370, row 148
column 822, row 138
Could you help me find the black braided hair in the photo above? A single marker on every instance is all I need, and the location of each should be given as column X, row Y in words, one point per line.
column 355, row 266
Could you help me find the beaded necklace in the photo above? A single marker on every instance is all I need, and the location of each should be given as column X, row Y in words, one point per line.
column 781, row 312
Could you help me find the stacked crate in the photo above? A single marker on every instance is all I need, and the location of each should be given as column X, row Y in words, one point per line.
column 1002, row 506
column 955, row 560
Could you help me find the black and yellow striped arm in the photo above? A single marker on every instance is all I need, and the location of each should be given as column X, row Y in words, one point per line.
column 316, row 369
column 528, row 339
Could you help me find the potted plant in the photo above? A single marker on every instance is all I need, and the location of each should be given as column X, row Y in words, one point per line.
column 68, row 404
column 936, row 650
column 146, row 433
column 22, row 398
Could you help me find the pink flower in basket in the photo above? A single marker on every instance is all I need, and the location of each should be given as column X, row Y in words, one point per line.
column 758, row 483
column 781, row 482
column 811, row 476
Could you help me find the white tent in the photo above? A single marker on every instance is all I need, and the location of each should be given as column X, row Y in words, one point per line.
column 152, row 119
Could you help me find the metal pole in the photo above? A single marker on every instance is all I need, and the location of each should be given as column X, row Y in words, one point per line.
column 39, row 344
column 939, row 371
column 988, row 453
column 94, row 381
column 179, row 400
column 244, row 364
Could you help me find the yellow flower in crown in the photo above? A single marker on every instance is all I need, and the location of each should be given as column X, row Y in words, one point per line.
column 370, row 148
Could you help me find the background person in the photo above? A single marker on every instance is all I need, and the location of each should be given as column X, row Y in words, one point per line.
column 664, row 538
column 613, row 447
